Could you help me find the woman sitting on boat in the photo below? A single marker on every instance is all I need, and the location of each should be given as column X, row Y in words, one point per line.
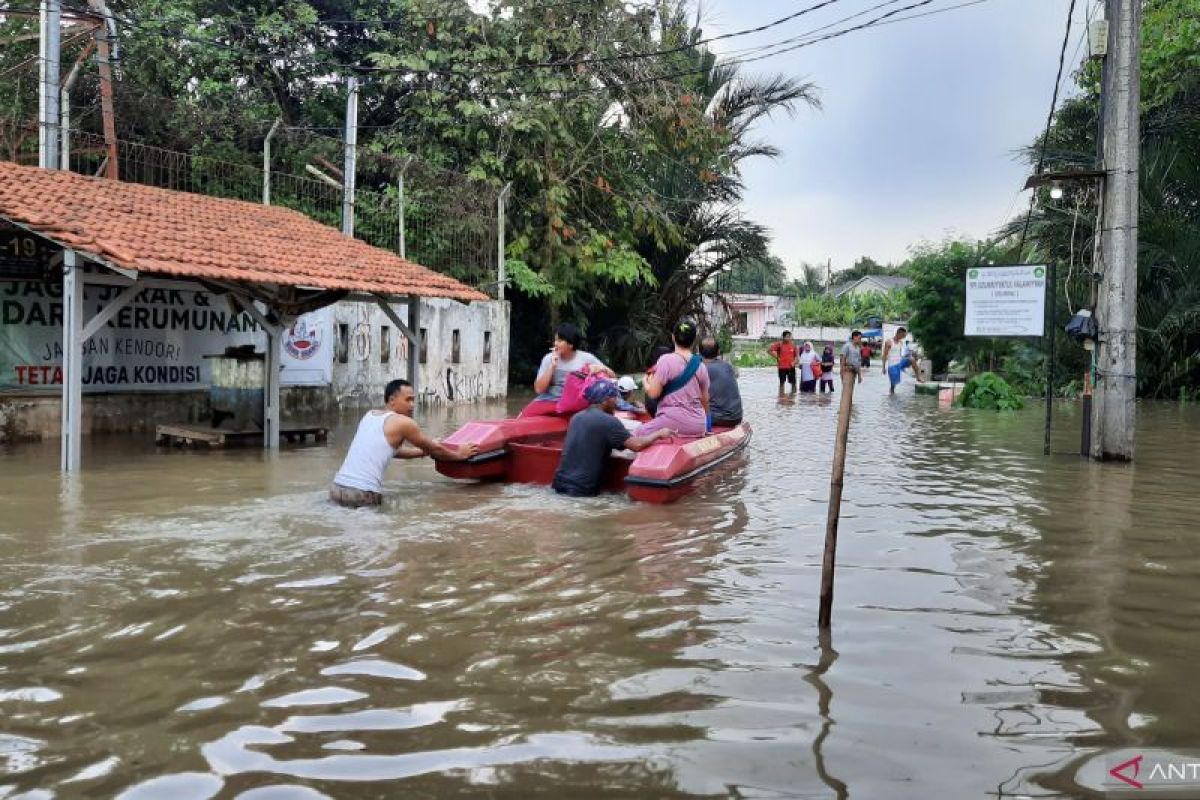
column 564, row 358
column 680, row 385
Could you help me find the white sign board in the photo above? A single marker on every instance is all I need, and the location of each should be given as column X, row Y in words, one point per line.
column 307, row 350
column 156, row 343
column 1006, row 301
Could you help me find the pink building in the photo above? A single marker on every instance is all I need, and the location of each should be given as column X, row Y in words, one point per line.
column 749, row 314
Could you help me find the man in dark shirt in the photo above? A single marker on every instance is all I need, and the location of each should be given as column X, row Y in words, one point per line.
column 724, row 397
column 591, row 435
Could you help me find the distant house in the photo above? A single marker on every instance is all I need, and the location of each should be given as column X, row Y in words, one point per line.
column 871, row 283
column 748, row 315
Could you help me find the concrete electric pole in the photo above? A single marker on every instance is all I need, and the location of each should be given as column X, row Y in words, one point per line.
column 348, row 183
column 49, row 53
column 1113, row 408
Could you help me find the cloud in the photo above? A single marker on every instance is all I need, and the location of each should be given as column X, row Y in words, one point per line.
column 920, row 130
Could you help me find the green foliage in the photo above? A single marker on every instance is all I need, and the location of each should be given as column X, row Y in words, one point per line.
column 861, row 268
column 937, row 299
column 756, row 275
column 753, row 358
column 851, row 309
column 1170, row 52
column 1168, row 312
column 626, row 174
column 988, row 391
column 724, row 338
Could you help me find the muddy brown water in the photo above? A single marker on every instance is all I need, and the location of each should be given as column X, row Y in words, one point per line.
column 190, row 625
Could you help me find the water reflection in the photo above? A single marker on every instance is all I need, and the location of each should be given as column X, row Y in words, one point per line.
column 206, row 624
column 824, row 701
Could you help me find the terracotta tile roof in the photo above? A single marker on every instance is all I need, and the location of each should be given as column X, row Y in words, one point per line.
column 193, row 236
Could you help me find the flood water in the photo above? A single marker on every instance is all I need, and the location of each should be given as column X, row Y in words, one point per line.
column 184, row 625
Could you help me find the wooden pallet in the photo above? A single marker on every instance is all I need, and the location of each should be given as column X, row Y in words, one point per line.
column 182, row 435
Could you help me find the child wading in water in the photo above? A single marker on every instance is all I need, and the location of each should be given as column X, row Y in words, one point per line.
column 827, row 368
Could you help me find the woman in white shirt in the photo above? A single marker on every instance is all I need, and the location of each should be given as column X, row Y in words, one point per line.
column 564, row 358
column 808, row 381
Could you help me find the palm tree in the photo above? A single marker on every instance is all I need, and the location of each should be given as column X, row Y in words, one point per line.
column 700, row 199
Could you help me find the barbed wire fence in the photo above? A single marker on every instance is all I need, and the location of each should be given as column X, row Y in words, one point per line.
column 435, row 217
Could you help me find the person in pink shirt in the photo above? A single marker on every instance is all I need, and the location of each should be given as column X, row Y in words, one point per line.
column 680, row 384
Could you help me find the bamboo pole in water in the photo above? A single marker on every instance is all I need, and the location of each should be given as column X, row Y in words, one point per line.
column 849, row 378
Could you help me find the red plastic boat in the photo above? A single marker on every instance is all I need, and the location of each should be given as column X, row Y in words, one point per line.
column 527, row 450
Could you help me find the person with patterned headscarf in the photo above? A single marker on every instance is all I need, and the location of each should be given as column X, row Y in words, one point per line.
column 591, row 436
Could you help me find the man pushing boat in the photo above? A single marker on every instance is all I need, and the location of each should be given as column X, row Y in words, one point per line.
column 382, row 435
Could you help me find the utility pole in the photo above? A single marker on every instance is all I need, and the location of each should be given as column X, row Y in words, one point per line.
column 403, row 244
column 64, row 148
column 49, row 53
column 501, row 266
column 351, row 156
column 1113, row 406
column 106, row 41
column 266, row 197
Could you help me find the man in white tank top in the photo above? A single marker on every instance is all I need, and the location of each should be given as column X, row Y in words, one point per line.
column 383, row 435
column 897, row 357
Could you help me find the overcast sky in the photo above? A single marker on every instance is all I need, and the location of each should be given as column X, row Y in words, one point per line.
column 920, row 124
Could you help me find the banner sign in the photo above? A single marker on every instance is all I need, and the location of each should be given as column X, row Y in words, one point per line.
column 23, row 256
column 156, row 343
column 1006, row 301
column 307, row 346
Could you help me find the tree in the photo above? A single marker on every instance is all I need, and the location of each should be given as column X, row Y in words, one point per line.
column 810, row 282
column 863, row 267
column 937, row 298
column 695, row 160
column 1169, row 214
column 625, row 171
column 759, row 275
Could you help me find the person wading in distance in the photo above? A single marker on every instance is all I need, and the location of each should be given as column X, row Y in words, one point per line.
column 897, row 357
column 852, row 360
column 382, row 435
column 784, row 353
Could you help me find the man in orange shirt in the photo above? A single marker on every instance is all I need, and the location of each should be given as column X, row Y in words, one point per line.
column 784, row 353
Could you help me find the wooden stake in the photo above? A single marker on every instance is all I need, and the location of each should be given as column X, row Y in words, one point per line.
column 849, row 379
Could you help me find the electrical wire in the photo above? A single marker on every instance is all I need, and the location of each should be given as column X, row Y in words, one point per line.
column 249, row 21
column 520, row 92
column 763, row 52
column 1062, row 55
column 517, row 93
column 474, row 70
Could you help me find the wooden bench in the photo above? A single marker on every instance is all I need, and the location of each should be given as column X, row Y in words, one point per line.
column 183, row 435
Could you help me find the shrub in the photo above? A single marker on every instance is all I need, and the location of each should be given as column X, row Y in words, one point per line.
column 753, row 358
column 989, row 391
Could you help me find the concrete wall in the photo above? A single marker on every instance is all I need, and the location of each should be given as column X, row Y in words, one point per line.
column 28, row 417
column 809, row 333
column 359, row 371
column 33, row 417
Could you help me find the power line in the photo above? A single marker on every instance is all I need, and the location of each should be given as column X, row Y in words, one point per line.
column 449, row 72
column 1062, row 57
column 559, row 64
column 518, row 93
column 251, row 21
